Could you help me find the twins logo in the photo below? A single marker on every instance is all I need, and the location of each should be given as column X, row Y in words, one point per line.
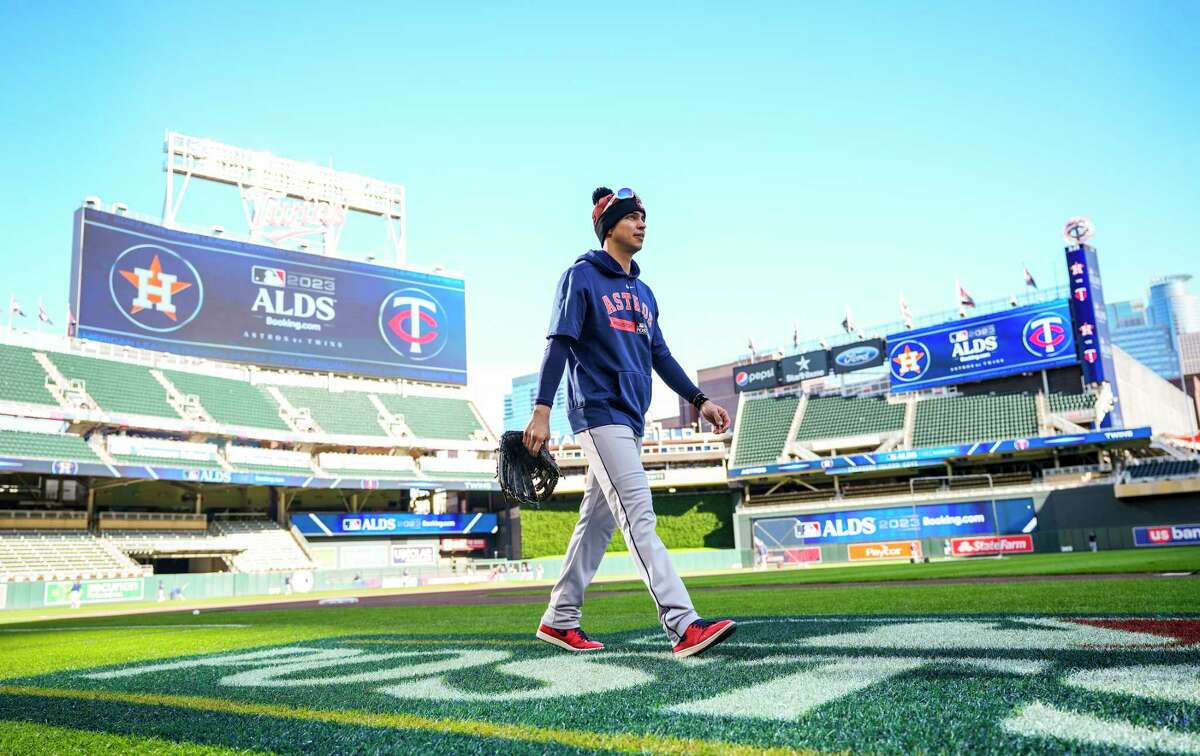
column 1045, row 335
column 909, row 360
column 410, row 326
column 155, row 288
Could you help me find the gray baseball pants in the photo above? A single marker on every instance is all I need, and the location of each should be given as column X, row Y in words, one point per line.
column 617, row 493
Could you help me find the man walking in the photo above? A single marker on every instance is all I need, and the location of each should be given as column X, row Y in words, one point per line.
column 604, row 330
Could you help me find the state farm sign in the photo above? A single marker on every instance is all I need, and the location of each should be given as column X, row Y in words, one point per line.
column 991, row 545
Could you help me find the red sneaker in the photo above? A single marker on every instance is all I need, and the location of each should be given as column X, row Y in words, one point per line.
column 702, row 635
column 572, row 640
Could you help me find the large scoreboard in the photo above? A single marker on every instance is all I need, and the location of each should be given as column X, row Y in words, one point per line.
column 147, row 286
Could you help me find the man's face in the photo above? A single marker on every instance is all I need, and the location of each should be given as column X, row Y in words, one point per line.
column 630, row 231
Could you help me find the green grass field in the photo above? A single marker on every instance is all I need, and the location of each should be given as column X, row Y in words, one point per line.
column 1081, row 664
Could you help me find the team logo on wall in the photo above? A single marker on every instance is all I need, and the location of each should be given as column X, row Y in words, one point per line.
column 1045, row 335
column 410, row 321
column 155, row 288
column 909, row 360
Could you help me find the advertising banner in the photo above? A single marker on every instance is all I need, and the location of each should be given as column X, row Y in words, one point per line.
column 803, row 367
column 976, row 349
column 1091, row 324
column 414, row 556
column 886, row 550
column 760, row 375
column 96, row 591
column 898, row 523
column 991, row 545
column 387, row 524
column 1167, row 535
column 859, row 355
column 804, row 555
column 463, row 544
column 146, row 286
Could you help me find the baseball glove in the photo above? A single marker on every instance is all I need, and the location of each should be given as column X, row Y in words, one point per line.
column 524, row 478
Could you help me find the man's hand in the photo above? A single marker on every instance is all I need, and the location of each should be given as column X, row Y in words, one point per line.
column 715, row 414
column 538, row 429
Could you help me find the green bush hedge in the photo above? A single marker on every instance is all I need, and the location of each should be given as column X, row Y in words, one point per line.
column 685, row 521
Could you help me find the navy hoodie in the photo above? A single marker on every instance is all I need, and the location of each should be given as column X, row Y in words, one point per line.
column 611, row 318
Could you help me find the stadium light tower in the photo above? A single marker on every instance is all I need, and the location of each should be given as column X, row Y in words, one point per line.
column 281, row 198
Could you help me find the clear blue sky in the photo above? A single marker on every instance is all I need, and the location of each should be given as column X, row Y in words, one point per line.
column 793, row 160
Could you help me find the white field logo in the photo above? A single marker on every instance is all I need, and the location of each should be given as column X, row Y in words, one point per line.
column 788, row 669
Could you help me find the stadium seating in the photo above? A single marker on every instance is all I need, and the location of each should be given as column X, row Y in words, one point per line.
column 368, row 465
column 230, row 401
column 164, row 542
column 346, row 412
column 1164, row 468
column 458, row 468
column 24, row 380
column 253, row 459
column 434, row 417
column 45, row 446
column 132, row 450
column 116, row 386
column 263, row 545
column 36, row 555
column 966, row 419
column 763, row 425
column 839, row 417
column 1059, row 403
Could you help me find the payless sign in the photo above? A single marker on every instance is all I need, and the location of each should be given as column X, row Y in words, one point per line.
column 760, row 375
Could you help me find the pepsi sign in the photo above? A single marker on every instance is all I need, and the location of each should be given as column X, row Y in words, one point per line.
column 859, row 355
column 984, row 347
column 145, row 286
column 760, row 375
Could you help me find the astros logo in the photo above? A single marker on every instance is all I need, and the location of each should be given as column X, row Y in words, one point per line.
column 1045, row 335
column 410, row 326
column 909, row 360
column 155, row 288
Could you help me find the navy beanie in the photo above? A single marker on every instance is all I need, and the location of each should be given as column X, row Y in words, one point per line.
column 603, row 220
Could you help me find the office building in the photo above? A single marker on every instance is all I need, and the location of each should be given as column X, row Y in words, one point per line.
column 518, row 406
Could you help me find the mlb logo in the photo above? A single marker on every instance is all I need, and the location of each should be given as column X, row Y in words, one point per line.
column 269, row 276
column 810, row 529
column 958, row 336
column 1159, row 535
column 1021, row 444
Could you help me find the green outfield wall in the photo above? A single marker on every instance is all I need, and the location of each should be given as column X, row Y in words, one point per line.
column 227, row 585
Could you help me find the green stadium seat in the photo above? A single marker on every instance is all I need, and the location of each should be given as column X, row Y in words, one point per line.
column 45, row 446
column 127, row 459
column 1058, row 402
column 24, row 380
column 117, row 386
column 968, row 419
column 434, row 417
column 346, row 412
column 230, row 401
column 763, row 425
column 842, row 416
